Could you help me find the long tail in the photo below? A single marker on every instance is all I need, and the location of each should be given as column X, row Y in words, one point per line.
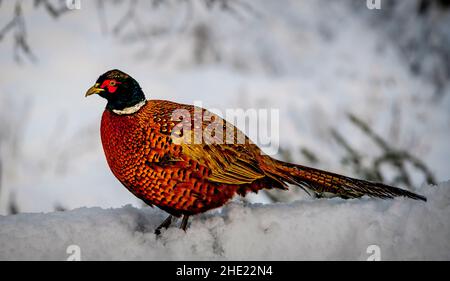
column 325, row 184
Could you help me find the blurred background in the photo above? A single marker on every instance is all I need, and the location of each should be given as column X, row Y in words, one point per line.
column 364, row 92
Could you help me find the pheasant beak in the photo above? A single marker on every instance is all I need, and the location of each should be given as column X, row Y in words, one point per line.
column 94, row 90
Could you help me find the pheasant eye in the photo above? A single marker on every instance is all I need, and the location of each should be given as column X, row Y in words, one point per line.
column 111, row 85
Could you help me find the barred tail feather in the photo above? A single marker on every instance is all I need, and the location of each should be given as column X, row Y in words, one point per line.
column 323, row 183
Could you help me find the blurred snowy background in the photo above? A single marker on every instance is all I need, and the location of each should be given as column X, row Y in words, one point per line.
column 360, row 92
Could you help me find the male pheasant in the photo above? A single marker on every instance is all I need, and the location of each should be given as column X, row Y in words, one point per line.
column 185, row 178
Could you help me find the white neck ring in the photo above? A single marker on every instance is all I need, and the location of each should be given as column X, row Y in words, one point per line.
column 130, row 110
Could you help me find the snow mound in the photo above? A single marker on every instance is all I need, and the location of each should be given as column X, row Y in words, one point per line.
column 332, row 229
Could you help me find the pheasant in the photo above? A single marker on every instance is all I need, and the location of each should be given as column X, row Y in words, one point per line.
column 185, row 178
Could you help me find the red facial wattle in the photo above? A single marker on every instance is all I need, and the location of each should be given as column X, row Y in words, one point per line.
column 111, row 85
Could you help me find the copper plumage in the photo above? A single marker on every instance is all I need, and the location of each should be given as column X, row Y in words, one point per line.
column 188, row 179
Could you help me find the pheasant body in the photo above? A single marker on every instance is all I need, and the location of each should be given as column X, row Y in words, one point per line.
column 190, row 178
column 141, row 154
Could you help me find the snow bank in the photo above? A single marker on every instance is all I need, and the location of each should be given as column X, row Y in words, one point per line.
column 333, row 229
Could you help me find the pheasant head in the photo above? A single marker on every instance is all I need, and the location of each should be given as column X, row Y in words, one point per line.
column 119, row 89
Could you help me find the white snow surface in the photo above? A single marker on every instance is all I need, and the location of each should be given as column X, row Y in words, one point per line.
column 333, row 229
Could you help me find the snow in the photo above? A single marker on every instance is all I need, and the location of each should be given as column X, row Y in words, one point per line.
column 333, row 229
column 314, row 61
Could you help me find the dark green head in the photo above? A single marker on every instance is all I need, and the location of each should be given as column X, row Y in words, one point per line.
column 119, row 89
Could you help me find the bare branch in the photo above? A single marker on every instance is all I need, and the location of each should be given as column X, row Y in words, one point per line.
column 396, row 158
column 52, row 9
